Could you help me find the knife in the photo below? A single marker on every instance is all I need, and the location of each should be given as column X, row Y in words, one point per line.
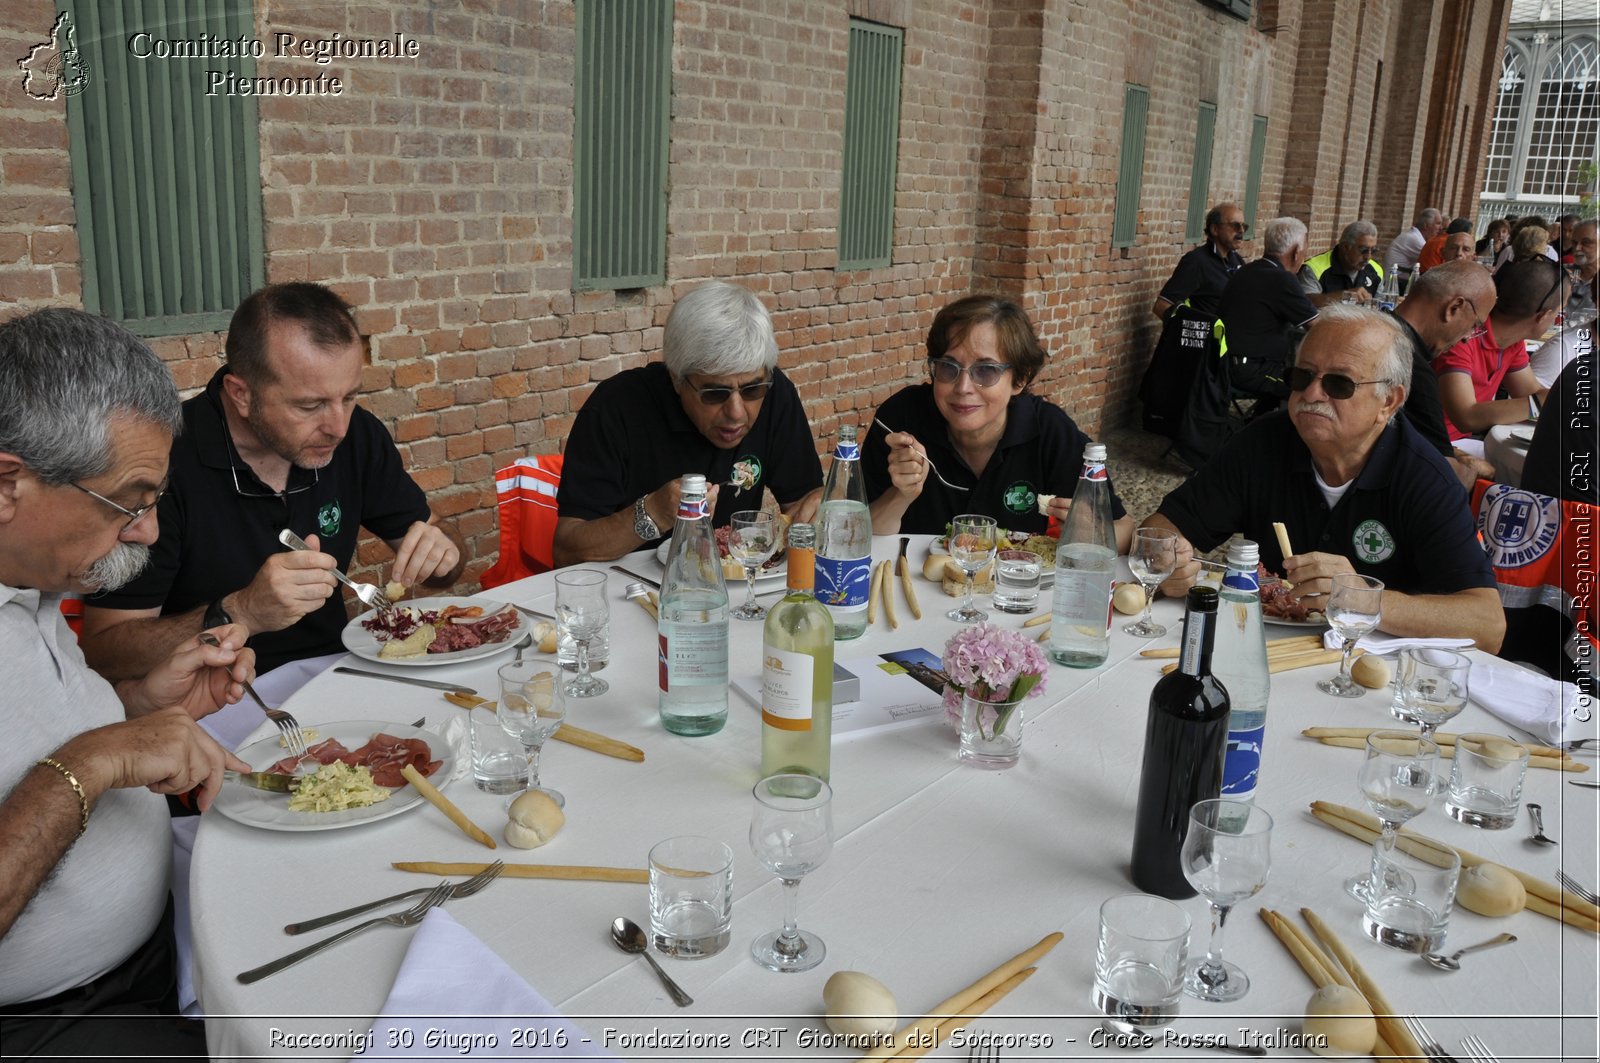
column 654, row 583
column 535, row 613
column 1586, row 785
column 262, row 780
column 454, row 688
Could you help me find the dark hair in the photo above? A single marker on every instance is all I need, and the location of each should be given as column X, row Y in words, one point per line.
column 1528, row 286
column 1019, row 345
column 1528, row 220
column 324, row 316
column 1214, row 215
column 1568, row 219
column 1459, row 225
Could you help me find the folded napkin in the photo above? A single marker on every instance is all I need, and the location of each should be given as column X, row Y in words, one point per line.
column 452, row 984
column 1391, row 644
column 1544, row 707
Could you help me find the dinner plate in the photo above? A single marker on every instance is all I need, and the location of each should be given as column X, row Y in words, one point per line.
column 775, row 568
column 364, row 644
column 270, row 811
column 1279, row 622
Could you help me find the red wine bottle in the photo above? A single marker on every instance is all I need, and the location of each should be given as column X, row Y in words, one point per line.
column 1185, row 743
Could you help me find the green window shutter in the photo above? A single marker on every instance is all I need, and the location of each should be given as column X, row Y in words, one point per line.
column 621, row 119
column 871, row 145
column 1130, row 172
column 1252, row 183
column 1194, row 227
column 166, row 181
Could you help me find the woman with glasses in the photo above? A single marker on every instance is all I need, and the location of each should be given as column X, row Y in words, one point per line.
column 974, row 439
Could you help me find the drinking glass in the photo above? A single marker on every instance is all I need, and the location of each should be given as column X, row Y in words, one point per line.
column 1412, row 889
column 1398, row 779
column 531, row 708
column 1486, row 775
column 1431, row 685
column 791, row 832
column 1138, row 966
column 752, row 540
column 1354, row 607
column 581, row 607
column 1152, row 558
column 691, row 896
column 1226, row 856
column 973, row 541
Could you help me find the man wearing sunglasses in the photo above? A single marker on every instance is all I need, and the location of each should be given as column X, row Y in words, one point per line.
column 1356, row 487
column 716, row 404
column 1202, row 273
column 1263, row 308
column 1349, row 272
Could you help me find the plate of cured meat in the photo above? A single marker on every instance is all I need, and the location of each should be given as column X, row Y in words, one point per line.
column 429, row 631
column 1281, row 608
column 384, row 748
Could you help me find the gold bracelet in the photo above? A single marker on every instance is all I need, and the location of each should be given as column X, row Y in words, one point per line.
column 77, row 788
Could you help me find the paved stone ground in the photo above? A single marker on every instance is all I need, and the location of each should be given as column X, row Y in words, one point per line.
column 1141, row 475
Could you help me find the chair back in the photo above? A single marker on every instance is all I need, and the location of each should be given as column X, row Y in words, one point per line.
column 525, row 494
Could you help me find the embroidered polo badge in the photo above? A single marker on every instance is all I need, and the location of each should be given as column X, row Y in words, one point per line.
column 1020, row 497
column 329, row 519
column 1373, row 542
column 746, row 474
column 1519, row 527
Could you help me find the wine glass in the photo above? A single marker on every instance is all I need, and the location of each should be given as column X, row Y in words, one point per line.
column 752, row 539
column 531, row 708
column 1433, row 686
column 1398, row 780
column 1153, row 558
column 1226, row 856
column 973, row 541
column 791, row 832
column 1354, row 608
column 581, row 607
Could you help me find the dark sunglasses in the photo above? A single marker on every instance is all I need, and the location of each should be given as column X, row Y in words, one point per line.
column 1336, row 385
column 983, row 374
column 1366, row 252
column 716, row 396
column 1237, row 226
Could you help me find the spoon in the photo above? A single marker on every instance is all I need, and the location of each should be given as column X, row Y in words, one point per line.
column 1539, row 836
column 630, row 938
column 1449, row 963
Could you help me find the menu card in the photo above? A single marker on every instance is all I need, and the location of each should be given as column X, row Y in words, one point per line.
column 897, row 689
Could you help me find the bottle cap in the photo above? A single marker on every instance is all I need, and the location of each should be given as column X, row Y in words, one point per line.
column 1201, row 600
column 802, row 536
column 1242, row 553
column 1094, row 452
column 692, row 483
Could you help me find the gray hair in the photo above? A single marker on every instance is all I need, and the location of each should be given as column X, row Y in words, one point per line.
column 718, row 329
column 64, row 376
column 1394, row 367
column 1427, row 216
column 1357, row 229
column 1281, row 235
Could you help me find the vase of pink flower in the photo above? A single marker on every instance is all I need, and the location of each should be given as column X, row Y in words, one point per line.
column 992, row 671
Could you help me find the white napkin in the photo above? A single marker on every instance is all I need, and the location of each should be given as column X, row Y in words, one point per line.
column 1390, row 644
column 453, row 983
column 1544, row 707
column 454, row 731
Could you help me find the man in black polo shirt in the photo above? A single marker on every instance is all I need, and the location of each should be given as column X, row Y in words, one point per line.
column 275, row 441
column 1263, row 307
column 1357, row 491
column 1202, row 273
column 1349, row 272
column 717, row 404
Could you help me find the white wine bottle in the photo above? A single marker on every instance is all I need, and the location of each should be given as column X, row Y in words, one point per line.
column 797, row 670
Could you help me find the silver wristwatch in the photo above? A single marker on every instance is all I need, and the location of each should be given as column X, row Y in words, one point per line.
column 643, row 526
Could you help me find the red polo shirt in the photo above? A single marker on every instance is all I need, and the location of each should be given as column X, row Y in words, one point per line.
column 1486, row 362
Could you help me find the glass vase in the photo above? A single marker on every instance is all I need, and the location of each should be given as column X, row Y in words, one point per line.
column 991, row 733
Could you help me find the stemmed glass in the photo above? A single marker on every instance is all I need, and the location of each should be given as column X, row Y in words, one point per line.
column 1153, row 558
column 791, row 832
column 531, row 708
column 1226, row 856
column 581, row 607
column 752, row 539
column 1432, row 685
column 1354, row 608
column 973, row 542
column 1397, row 778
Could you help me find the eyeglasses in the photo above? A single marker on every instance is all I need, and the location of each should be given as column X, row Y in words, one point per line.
column 1482, row 326
column 238, row 488
column 133, row 515
column 1366, row 252
column 716, row 396
column 1236, row 226
column 1336, row 385
column 983, row 374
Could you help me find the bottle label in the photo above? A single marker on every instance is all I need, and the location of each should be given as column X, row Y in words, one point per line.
column 1244, row 761
column 1240, row 580
column 802, row 569
column 1094, row 471
column 691, row 508
column 786, row 689
column 850, row 451
column 693, row 655
column 843, row 581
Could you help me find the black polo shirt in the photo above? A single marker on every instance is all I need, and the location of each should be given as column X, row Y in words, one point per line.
column 1423, row 407
column 1405, row 520
column 632, row 436
column 1335, row 279
column 1200, row 277
column 215, row 537
column 1040, row 453
column 1259, row 306
column 1564, row 458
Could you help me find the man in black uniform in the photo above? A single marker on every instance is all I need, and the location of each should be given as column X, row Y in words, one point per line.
column 1202, row 273
column 1357, row 488
column 275, row 441
column 1350, row 267
column 716, row 404
column 1262, row 309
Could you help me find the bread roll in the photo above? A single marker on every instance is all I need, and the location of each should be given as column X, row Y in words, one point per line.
column 1491, row 890
column 955, row 580
column 933, row 567
column 1339, row 1022
column 535, row 819
column 859, row 1005
column 545, row 635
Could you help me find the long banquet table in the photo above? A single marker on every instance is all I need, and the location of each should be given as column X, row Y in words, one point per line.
column 940, row 871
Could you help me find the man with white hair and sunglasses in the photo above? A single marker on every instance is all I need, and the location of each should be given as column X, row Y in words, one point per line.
column 1356, row 487
column 716, row 404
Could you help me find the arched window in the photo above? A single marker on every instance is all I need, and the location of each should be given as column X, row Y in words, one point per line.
column 1507, row 113
column 1566, row 117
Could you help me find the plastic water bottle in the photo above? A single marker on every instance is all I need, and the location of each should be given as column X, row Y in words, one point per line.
column 1240, row 663
column 693, row 630
column 1388, row 292
column 1080, row 621
column 844, row 540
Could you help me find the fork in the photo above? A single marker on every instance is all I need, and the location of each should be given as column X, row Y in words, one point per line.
column 371, row 596
column 464, row 888
column 923, row 454
column 1568, row 882
column 1474, row 1047
column 294, row 739
column 1431, row 1048
column 410, row 917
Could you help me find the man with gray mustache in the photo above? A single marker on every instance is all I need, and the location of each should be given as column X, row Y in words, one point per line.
column 1358, row 489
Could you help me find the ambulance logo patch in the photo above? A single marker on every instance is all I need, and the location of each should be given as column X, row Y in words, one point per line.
column 1020, row 497
column 1518, row 527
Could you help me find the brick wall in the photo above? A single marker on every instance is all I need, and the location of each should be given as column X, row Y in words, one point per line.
column 436, row 194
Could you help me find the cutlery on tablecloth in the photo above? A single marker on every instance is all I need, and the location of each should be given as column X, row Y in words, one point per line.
column 454, row 688
column 464, row 888
column 1539, row 837
column 410, row 917
column 634, row 575
column 630, row 938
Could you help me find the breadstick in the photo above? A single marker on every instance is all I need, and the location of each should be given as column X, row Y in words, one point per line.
column 1044, row 636
column 1275, row 647
column 1322, row 970
column 1447, row 751
column 1442, row 738
column 1282, row 532
column 598, row 743
column 872, row 594
column 960, row 1022
column 569, row 872
column 888, row 596
column 1289, row 662
column 445, row 805
column 911, row 590
column 1035, row 621
column 1388, row 1024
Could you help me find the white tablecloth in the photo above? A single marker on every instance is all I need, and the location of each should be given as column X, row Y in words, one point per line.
column 940, row 872
column 1506, row 448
